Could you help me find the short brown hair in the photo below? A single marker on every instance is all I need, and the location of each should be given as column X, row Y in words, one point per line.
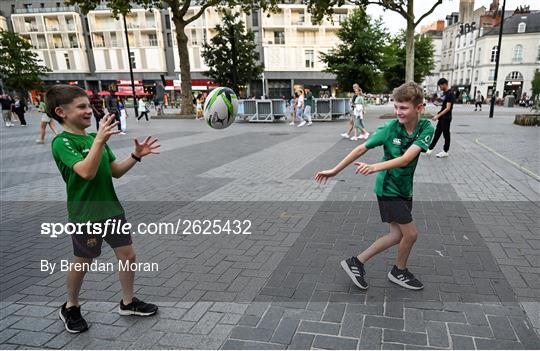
column 60, row 95
column 409, row 92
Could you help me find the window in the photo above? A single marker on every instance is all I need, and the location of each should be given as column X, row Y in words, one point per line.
column 478, row 56
column 57, row 4
column 152, row 40
column 255, row 19
column 521, row 27
column 470, row 56
column 518, row 54
column 279, row 37
column 194, row 40
column 27, row 6
column 132, row 59
column 167, row 22
column 491, row 74
column 42, row 5
column 68, row 64
column 310, row 59
column 169, row 39
column 494, row 54
column 476, row 76
column 515, row 76
column 301, row 18
column 538, row 54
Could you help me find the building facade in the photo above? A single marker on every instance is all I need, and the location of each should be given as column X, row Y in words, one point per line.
column 90, row 50
column 435, row 32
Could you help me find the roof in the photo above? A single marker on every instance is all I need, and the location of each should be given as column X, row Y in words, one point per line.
column 531, row 20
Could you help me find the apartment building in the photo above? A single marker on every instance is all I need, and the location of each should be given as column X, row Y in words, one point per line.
column 91, row 51
column 435, row 32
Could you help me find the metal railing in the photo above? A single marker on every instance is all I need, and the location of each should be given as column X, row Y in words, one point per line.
column 47, row 9
column 270, row 110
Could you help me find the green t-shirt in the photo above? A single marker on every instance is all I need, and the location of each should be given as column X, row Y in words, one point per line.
column 87, row 200
column 398, row 182
column 309, row 101
column 42, row 106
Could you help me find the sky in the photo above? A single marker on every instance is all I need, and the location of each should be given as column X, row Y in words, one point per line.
column 394, row 22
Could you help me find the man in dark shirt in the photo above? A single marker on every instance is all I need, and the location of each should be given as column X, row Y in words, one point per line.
column 112, row 107
column 5, row 103
column 96, row 102
column 443, row 118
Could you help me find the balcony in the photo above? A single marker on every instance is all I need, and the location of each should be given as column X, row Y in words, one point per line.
column 40, row 46
column 48, row 10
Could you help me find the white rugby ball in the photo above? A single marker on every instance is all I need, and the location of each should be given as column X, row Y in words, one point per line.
column 220, row 108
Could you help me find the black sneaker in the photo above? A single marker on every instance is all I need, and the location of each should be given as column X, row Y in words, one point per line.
column 137, row 308
column 73, row 321
column 404, row 278
column 355, row 270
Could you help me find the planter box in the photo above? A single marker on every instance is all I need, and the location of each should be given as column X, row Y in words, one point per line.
column 528, row 119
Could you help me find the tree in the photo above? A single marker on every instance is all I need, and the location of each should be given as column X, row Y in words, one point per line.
column 20, row 69
column 394, row 71
column 180, row 18
column 405, row 8
column 359, row 57
column 231, row 54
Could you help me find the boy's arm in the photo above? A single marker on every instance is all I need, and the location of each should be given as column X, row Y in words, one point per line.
column 412, row 152
column 358, row 151
column 118, row 169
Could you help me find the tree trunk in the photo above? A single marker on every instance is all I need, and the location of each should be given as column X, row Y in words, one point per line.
column 409, row 46
column 185, row 67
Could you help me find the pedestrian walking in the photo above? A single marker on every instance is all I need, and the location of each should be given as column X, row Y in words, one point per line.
column 123, row 116
column 478, row 101
column 5, row 103
column 293, row 106
column 143, row 109
column 309, row 106
column 45, row 121
column 300, row 107
column 19, row 108
column 96, row 103
column 112, row 107
column 349, row 132
column 443, row 118
column 403, row 139
column 359, row 110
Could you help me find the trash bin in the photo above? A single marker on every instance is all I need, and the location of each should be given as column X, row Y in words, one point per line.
column 509, row 100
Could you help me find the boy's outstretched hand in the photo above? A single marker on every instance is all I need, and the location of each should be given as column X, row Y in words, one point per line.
column 364, row 168
column 107, row 127
column 146, row 147
column 323, row 176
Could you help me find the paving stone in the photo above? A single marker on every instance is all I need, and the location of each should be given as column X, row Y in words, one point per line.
column 30, row 338
column 405, row 337
column 334, row 343
column 371, row 338
column 301, row 341
column 253, row 334
column 392, row 346
column 441, row 316
column 462, row 342
column 285, row 331
column 501, row 328
column 271, row 318
column 470, row 330
column 334, row 313
column 206, row 323
column 496, row 344
column 523, row 329
column 173, row 326
column 384, row 322
column 319, row 328
column 32, row 324
column 6, row 334
column 437, row 334
column 197, row 311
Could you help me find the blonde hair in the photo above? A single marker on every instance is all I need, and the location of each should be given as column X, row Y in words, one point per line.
column 409, row 92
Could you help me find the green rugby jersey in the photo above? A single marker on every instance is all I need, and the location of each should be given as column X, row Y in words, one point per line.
column 87, row 200
column 398, row 182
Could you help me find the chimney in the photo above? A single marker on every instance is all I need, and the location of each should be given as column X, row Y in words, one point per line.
column 466, row 9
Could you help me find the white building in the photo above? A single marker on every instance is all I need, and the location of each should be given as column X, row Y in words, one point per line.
column 57, row 38
column 519, row 59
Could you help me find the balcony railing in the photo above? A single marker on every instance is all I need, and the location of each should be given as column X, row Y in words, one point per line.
column 48, row 9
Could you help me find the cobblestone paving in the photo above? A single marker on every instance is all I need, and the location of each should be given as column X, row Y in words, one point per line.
column 282, row 286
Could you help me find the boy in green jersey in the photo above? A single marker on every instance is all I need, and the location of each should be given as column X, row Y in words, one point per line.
column 402, row 139
column 87, row 165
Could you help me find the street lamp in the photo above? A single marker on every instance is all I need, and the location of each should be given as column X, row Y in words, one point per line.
column 493, row 97
column 130, row 68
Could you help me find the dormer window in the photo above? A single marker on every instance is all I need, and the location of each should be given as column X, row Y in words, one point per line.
column 521, row 27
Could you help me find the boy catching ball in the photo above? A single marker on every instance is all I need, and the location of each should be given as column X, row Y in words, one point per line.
column 402, row 139
column 87, row 165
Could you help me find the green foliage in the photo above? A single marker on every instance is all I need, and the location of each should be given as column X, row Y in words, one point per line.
column 359, row 57
column 231, row 54
column 424, row 63
column 20, row 69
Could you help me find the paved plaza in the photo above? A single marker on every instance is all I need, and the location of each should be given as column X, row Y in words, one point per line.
column 282, row 286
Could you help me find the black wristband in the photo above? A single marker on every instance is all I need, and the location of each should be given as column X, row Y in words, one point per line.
column 136, row 158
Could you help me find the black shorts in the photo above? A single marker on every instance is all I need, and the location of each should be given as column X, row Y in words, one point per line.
column 88, row 244
column 395, row 209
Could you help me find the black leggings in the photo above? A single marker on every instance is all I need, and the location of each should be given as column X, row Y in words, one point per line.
column 443, row 127
column 478, row 104
column 145, row 113
column 20, row 116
